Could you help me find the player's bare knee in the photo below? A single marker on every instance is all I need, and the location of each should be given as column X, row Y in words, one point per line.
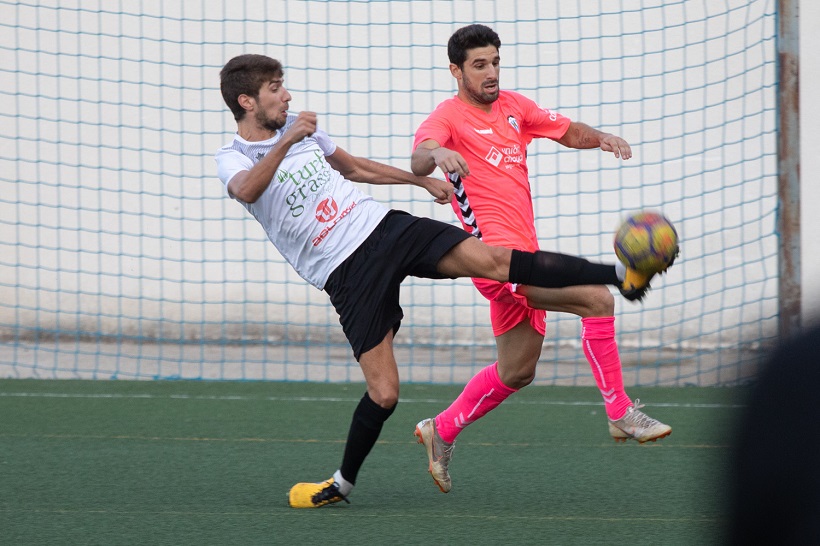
column 499, row 262
column 599, row 302
column 386, row 397
column 520, row 379
column 517, row 377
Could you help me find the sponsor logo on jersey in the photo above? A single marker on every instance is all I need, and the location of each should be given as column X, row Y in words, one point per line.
column 483, row 131
column 510, row 156
column 308, row 182
column 553, row 116
column 328, row 228
column 494, row 156
column 327, row 210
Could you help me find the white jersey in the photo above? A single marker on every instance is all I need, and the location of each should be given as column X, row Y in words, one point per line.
column 314, row 216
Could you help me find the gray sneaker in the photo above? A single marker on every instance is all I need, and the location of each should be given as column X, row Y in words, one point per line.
column 636, row 425
column 439, row 453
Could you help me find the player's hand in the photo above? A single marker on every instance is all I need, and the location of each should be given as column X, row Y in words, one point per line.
column 304, row 126
column 441, row 190
column 616, row 145
column 450, row 162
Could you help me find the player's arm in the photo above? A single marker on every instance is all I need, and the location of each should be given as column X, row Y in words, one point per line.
column 249, row 185
column 429, row 154
column 583, row 137
column 360, row 169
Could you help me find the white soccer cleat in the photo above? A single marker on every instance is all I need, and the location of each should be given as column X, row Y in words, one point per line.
column 638, row 426
column 439, row 453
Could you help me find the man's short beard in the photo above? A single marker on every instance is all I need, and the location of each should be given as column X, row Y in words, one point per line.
column 270, row 124
column 481, row 97
column 486, row 98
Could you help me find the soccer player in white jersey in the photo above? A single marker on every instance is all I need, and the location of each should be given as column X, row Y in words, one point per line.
column 297, row 183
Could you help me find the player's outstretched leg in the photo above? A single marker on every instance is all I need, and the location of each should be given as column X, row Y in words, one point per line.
column 314, row 495
column 635, row 283
column 439, row 453
column 638, row 426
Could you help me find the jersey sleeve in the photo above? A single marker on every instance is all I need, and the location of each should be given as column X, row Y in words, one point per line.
column 436, row 127
column 228, row 163
column 542, row 122
column 324, row 141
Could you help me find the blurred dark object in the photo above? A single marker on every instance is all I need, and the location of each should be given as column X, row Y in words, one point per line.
column 775, row 472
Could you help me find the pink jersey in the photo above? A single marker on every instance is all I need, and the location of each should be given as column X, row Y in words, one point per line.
column 495, row 148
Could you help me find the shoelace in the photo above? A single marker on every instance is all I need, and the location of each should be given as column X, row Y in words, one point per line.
column 639, row 418
column 447, row 450
column 329, row 494
column 442, row 448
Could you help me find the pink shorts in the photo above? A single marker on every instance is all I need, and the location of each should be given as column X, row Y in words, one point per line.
column 509, row 308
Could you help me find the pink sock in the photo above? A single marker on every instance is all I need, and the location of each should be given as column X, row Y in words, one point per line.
column 598, row 339
column 483, row 393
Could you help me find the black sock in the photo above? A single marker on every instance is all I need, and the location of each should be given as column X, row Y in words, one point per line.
column 364, row 431
column 553, row 270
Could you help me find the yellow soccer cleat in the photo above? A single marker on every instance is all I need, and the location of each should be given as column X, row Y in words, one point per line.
column 636, row 283
column 314, row 495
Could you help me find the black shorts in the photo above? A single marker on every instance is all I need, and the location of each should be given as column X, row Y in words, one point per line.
column 364, row 289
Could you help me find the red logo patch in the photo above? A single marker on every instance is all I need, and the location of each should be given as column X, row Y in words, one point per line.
column 327, row 210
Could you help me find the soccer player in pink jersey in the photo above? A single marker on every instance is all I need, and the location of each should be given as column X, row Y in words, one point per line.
column 479, row 139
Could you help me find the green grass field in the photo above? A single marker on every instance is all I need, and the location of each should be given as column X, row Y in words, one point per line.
column 120, row 462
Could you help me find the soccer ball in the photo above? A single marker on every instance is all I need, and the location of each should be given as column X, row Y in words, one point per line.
column 646, row 241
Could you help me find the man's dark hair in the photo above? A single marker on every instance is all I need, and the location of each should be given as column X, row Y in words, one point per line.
column 245, row 75
column 470, row 37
